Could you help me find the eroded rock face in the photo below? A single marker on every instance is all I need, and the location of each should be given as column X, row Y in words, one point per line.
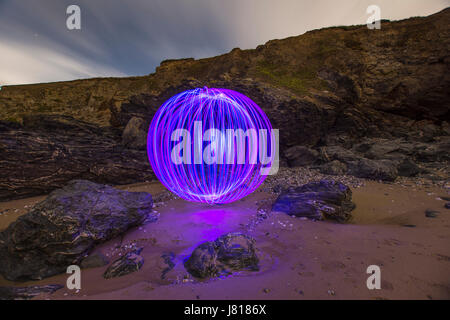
column 48, row 151
column 317, row 200
column 129, row 263
column 228, row 253
column 64, row 228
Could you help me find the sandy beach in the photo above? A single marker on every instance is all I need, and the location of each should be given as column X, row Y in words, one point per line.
column 299, row 259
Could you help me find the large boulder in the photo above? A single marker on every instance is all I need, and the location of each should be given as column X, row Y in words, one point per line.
column 228, row 253
column 64, row 228
column 317, row 200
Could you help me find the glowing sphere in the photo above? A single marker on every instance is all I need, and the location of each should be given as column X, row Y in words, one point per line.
column 210, row 145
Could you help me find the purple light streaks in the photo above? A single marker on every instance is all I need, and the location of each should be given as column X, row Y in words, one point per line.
column 204, row 145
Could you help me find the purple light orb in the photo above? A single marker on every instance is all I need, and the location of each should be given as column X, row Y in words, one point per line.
column 210, row 145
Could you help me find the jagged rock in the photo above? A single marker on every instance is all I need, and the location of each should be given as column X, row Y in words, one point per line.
column 334, row 167
column 134, row 135
column 373, row 169
column 65, row 227
column 228, row 253
column 25, row 293
column 130, row 262
column 317, row 200
column 94, row 261
column 48, row 151
column 301, row 156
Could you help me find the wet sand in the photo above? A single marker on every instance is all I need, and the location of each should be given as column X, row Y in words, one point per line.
column 299, row 259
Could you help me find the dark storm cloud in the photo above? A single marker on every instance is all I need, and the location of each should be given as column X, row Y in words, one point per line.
column 132, row 37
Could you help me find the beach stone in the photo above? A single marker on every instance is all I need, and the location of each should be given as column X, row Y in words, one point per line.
column 326, row 199
column 431, row 213
column 25, row 293
column 129, row 263
column 334, row 167
column 94, row 261
column 66, row 226
column 330, row 153
column 373, row 169
column 301, row 156
column 228, row 253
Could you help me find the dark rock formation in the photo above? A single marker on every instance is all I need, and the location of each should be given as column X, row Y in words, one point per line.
column 25, row 293
column 48, row 151
column 94, row 261
column 130, row 262
column 64, row 228
column 228, row 253
column 317, row 200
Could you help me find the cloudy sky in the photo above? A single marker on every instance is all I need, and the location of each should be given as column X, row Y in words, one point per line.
column 120, row 38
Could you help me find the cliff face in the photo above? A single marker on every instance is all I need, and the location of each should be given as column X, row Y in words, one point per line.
column 376, row 101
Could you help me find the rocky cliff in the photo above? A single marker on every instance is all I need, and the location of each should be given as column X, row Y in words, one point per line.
column 347, row 100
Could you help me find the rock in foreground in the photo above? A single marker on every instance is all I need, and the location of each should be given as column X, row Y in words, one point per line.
column 129, row 263
column 25, row 293
column 317, row 200
column 228, row 253
column 63, row 228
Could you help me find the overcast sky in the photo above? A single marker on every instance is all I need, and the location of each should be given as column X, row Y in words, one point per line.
column 121, row 38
